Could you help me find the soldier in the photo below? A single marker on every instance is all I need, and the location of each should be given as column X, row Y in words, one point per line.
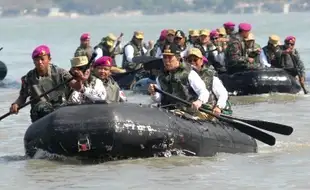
column 107, row 47
column 178, row 80
column 253, row 50
column 132, row 49
column 93, row 89
column 218, row 99
column 42, row 78
column 290, row 59
column 236, row 59
column 84, row 49
column 271, row 54
column 102, row 70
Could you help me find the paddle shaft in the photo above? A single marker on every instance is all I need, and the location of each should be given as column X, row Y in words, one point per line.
column 49, row 91
column 240, row 125
column 265, row 125
column 117, row 43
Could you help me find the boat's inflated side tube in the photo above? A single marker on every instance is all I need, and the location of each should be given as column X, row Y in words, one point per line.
column 3, row 70
column 129, row 130
column 260, row 82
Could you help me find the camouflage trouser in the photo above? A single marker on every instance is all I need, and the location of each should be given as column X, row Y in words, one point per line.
column 40, row 110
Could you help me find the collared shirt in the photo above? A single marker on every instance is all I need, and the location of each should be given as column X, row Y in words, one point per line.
column 195, row 82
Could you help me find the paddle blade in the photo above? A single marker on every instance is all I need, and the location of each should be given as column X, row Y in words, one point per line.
column 255, row 133
column 265, row 125
column 270, row 126
column 149, row 62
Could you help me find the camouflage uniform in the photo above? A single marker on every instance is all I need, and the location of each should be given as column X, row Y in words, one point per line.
column 236, row 56
column 288, row 62
column 254, row 52
column 34, row 85
column 81, row 51
column 177, row 84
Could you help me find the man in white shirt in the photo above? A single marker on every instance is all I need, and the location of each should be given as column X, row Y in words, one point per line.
column 179, row 81
column 271, row 52
column 92, row 88
column 218, row 93
column 132, row 49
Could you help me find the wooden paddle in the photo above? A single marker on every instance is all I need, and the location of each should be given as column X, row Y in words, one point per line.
column 240, row 125
column 117, row 43
column 51, row 90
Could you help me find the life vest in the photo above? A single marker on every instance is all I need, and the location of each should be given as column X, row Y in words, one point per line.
column 37, row 85
column 177, row 84
column 138, row 51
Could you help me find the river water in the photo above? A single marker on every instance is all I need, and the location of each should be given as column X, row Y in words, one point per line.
column 283, row 166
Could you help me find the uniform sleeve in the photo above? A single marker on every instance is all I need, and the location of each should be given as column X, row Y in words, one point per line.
column 65, row 75
column 129, row 53
column 300, row 65
column 75, row 97
column 220, row 92
column 198, row 86
column 79, row 52
column 236, row 54
column 24, row 92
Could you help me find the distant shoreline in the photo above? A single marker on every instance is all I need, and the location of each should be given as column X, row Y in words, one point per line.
column 139, row 13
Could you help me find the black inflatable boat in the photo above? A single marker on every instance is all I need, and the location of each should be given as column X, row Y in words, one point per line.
column 3, row 70
column 120, row 131
column 260, row 82
column 246, row 83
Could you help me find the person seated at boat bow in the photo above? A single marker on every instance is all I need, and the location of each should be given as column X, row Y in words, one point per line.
column 92, row 89
column 290, row 59
column 218, row 98
column 45, row 76
column 102, row 70
column 179, row 81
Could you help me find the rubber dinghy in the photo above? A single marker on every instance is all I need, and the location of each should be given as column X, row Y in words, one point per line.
column 120, row 131
column 260, row 82
column 245, row 83
column 3, row 70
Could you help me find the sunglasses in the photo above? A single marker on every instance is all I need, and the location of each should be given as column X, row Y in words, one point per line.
column 194, row 59
column 292, row 44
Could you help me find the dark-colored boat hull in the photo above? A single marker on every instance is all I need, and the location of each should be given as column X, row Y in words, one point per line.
column 3, row 70
column 260, row 82
column 130, row 130
column 246, row 83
